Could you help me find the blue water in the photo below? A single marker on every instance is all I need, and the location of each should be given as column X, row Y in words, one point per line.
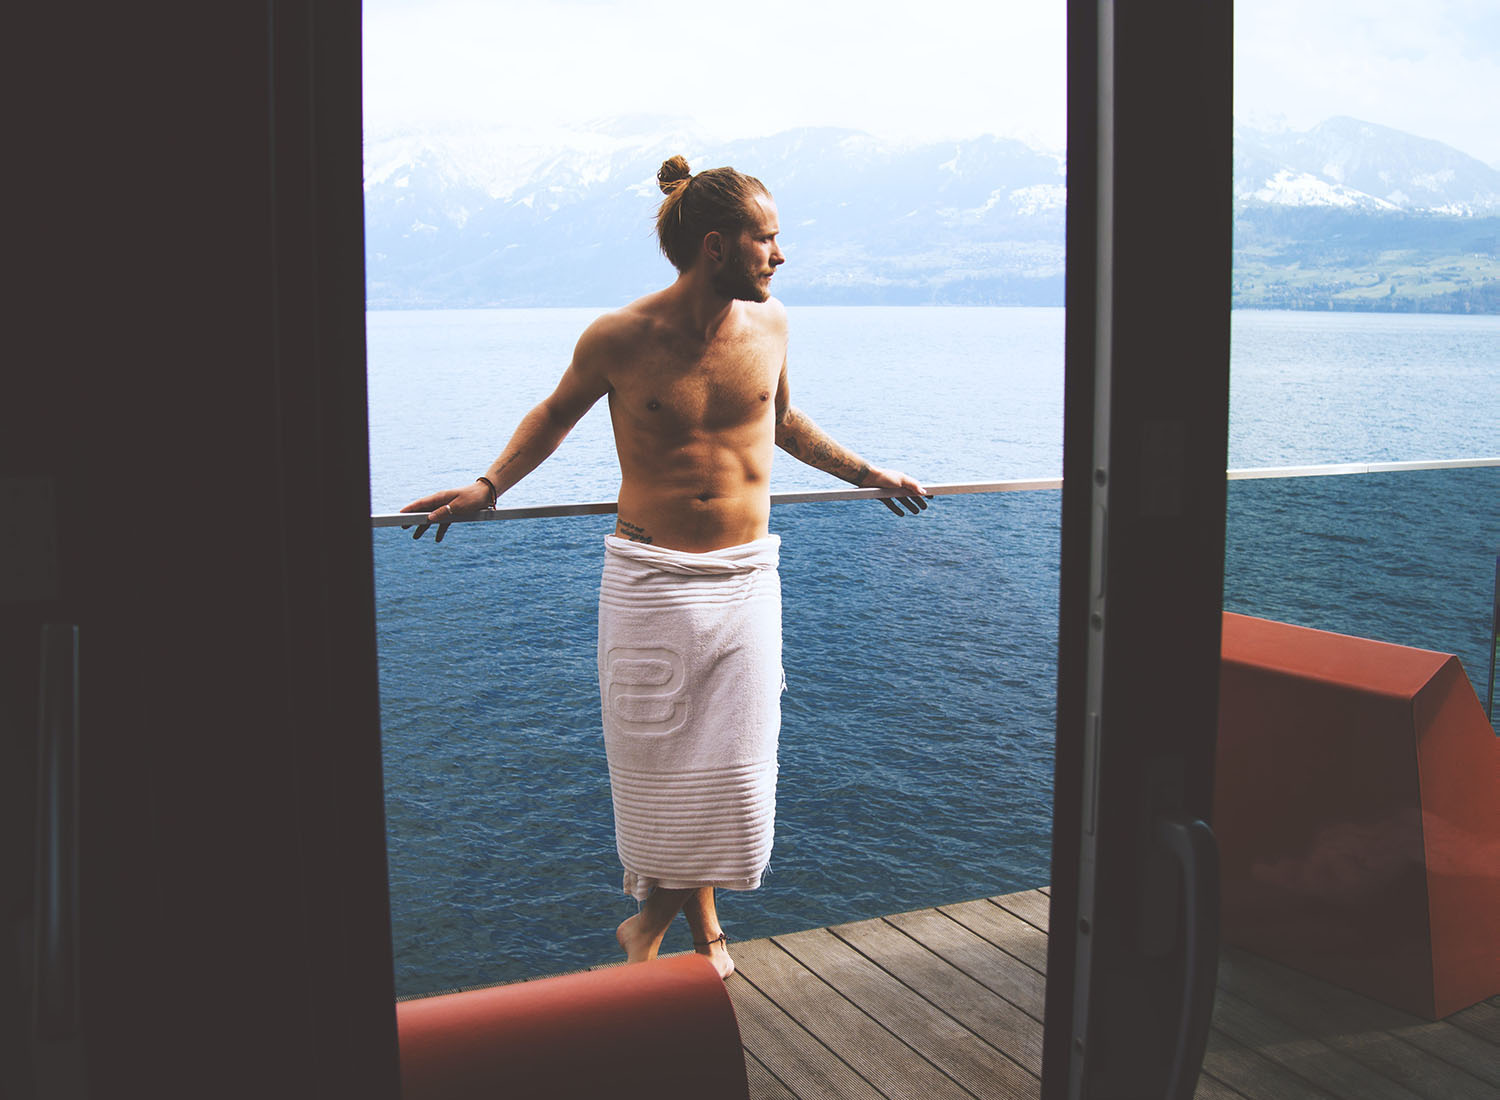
column 918, row 722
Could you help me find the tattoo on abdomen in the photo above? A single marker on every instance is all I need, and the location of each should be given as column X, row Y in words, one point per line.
column 633, row 532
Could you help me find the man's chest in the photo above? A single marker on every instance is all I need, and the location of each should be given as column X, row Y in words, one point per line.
column 723, row 385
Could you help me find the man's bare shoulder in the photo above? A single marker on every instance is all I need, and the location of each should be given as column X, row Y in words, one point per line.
column 770, row 314
column 609, row 338
column 626, row 323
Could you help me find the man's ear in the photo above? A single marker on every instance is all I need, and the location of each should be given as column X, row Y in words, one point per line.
column 713, row 245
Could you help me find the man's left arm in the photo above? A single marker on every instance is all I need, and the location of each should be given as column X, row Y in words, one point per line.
column 798, row 436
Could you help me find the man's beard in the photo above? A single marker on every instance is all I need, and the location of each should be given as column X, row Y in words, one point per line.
column 735, row 280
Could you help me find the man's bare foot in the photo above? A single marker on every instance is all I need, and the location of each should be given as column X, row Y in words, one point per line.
column 718, row 953
column 635, row 941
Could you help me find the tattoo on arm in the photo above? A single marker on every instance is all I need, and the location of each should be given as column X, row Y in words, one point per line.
column 500, row 465
column 802, row 439
column 634, row 532
column 786, row 428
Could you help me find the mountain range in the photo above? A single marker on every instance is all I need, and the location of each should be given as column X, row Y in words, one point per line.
column 1345, row 215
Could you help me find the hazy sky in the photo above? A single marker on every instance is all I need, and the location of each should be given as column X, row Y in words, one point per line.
column 1430, row 67
column 917, row 69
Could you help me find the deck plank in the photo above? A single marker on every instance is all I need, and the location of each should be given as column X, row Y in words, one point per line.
column 977, row 957
column 1209, row 1088
column 1482, row 1020
column 978, row 1008
column 803, row 1065
column 1004, row 929
column 965, row 1058
column 1311, row 1059
column 882, row 1059
column 1458, row 1047
column 1032, row 906
column 764, row 1085
column 1366, row 1030
column 1253, row 1075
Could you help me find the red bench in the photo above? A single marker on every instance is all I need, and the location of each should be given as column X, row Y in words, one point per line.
column 666, row 1028
column 1357, row 809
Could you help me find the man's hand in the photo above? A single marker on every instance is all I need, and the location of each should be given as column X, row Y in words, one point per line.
column 914, row 496
column 441, row 508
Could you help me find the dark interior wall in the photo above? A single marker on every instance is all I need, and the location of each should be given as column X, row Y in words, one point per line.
column 185, row 375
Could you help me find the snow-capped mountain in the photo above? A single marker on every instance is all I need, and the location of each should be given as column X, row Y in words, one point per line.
column 508, row 217
column 1344, row 162
column 496, row 219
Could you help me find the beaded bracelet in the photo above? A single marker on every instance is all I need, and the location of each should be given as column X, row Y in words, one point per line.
column 494, row 493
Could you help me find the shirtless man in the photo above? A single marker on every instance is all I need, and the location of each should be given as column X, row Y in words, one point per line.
column 696, row 376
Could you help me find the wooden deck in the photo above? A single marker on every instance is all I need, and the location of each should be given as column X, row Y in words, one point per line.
column 947, row 1002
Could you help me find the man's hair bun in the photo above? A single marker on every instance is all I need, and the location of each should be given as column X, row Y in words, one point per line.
column 673, row 173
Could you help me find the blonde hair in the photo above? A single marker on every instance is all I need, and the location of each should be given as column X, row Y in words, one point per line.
column 716, row 199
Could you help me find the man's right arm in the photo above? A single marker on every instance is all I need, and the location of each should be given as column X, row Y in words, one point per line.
column 544, row 428
column 539, row 434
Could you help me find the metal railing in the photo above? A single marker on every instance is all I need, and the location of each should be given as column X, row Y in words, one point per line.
column 1022, row 485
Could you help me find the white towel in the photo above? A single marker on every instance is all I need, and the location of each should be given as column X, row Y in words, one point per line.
column 690, row 684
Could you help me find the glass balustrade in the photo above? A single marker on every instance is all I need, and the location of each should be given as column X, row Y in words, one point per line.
column 916, row 745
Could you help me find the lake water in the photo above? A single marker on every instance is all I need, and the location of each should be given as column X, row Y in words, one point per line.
column 918, row 723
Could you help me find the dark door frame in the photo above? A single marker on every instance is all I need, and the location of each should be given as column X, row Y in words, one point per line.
column 191, row 402
column 1146, row 413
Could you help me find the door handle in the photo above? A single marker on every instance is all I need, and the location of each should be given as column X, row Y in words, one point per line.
column 1193, row 848
column 56, row 898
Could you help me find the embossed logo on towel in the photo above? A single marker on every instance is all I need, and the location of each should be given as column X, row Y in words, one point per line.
column 647, row 689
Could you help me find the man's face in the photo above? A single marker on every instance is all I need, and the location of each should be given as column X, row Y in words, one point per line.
column 751, row 256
